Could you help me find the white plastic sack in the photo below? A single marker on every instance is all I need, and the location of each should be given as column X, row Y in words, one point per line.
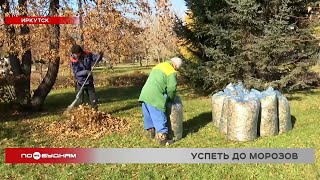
column 240, row 87
column 217, row 104
column 242, row 118
column 255, row 92
column 285, row 123
column 269, row 113
column 241, row 90
column 175, row 118
column 230, row 89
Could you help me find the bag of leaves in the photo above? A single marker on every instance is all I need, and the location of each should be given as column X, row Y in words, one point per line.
column 230, row 91
column 217, row 104
column 269, row 113
column 175, row 118
column 223, row 124
column 285, row 123
column 242, row 118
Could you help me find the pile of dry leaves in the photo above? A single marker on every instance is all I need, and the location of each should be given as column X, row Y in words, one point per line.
column 86, row 122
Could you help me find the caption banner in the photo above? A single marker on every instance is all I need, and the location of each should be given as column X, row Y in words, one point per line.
column 40, row 20
column 160, row 155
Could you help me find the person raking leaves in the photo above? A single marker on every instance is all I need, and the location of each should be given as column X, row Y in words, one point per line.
column 81, row 65
column 160, row 87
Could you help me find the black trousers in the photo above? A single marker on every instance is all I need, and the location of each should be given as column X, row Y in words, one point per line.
column 90, row 91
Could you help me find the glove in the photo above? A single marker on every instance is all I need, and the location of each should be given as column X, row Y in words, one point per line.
column 87, row 72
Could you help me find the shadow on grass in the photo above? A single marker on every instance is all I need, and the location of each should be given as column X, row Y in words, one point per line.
column 293, row 121
column 294, row 98
column 11, row 112
column 19, row 134
column 114, row 94
column 195, row 124
column 57, row 103
column 122, row 69
column 16, row 132
column 125, row 108
column 309, row 91
column 297, row 95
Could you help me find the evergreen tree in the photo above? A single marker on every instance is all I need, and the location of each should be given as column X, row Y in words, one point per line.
column 259, row 42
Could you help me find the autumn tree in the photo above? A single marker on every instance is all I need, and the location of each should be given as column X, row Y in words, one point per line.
column 17, row 46
column 21, row 40
column 159, row 39
column 105, row 29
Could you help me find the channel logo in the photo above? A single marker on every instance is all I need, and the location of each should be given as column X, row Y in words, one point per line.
column 37, row 156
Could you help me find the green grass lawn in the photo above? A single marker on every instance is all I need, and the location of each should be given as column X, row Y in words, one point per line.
column 17, row 131
column 121, row 69
column 101, row 74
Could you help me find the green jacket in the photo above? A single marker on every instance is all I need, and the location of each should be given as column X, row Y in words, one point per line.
column 161, row 81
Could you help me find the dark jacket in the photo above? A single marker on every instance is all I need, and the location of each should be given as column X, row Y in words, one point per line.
column 82, row 66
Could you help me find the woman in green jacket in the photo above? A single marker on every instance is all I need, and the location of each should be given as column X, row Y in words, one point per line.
column 160, row 87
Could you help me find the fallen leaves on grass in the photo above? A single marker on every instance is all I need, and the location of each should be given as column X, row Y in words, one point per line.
column 86, row 122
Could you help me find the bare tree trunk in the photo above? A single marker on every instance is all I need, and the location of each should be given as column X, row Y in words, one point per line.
column 140, row 60
column 53, row 66
column 158, row 56
column 146, row 56
column 80, row 9
column 159, row 40
column 111, row 62
column 20, row 71
column 26, row 58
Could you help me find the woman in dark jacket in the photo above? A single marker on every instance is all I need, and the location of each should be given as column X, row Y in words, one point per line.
column 81, row 64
